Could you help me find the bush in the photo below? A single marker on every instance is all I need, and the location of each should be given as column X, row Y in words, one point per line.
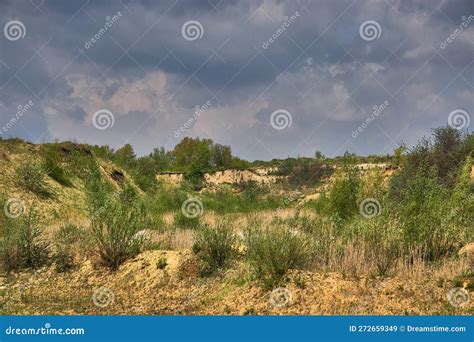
column 342, row 198
column 215, row 246
column 272, row 252
column 66, row 239
column 423, row 207
column 115, row 221
column 20, row 244
column 63, row 259
column 31, row 177
column 161, row 263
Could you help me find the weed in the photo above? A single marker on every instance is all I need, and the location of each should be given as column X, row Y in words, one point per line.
column 161, row 263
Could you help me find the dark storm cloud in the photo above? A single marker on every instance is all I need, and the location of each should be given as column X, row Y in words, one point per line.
column 129, row 57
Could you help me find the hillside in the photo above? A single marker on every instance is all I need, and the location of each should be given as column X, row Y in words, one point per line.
column 80, row 235
column 62, row 200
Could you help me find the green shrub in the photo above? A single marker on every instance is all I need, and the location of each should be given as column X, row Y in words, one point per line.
column 195, row 178
column 342, row 198
column 63, row 259
column 32, row 177
column 20, row 245
column 215, row 246
column 272, row 252
column 69, row 234
column 161, row 263
column 67, row 241
column 115, row 221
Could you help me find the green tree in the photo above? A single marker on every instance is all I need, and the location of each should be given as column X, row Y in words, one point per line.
column 398, row 155
column 125, row 157
column 193, row 154
column 221, row 156
column 319, row 155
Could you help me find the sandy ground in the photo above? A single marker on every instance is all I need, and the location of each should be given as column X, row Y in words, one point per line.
column 167, row 282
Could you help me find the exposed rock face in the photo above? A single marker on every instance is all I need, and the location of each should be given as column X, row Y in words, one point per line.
column 170, row 177
column 260, row 175
column 240, row 176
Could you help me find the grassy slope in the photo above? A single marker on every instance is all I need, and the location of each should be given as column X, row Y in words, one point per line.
column 142, row 288
column 65, row 202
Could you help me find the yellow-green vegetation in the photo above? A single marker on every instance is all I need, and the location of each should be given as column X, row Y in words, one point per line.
column 75, row 213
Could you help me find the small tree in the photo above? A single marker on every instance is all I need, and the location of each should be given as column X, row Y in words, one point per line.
column 319, row 155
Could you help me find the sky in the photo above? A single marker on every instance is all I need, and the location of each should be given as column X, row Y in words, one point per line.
column 271, row 79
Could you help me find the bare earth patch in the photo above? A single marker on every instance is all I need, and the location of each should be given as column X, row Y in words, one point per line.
column 167, row 282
